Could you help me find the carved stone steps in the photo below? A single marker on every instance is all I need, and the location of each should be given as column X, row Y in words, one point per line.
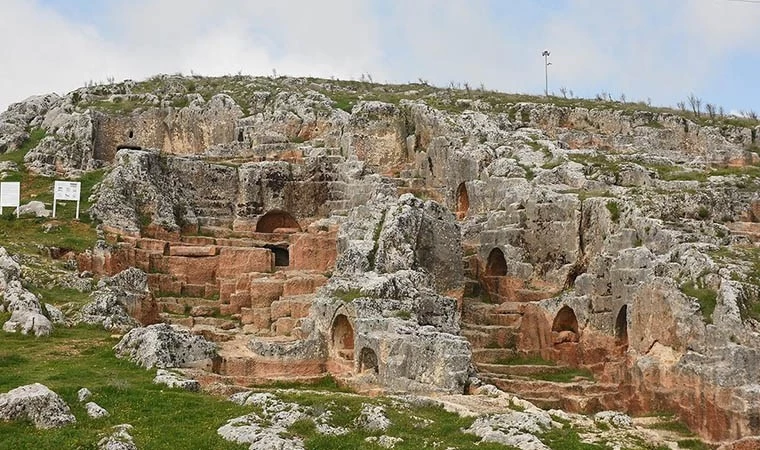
column 520, row 384
column 485, row 314
column 491, row 355
column 194, row 306
column 519, row 370
column 489, row 336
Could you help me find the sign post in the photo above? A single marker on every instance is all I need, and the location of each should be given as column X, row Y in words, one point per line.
column 67, row 190
column 10, row 195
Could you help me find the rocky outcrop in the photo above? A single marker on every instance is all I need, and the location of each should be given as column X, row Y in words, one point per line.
column 118, row 300
column 264, row 431
column 27, row 313
column 67, row 149
column 19, row 117
column 37, row 404
column 120, row 439
column 95, row 411
column 176, row 381
column 381, row 309
column 163, row 346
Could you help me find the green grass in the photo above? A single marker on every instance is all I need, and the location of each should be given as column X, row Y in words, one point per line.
column 614, row 209
column 673, row 425
column 22, row 235
column 82, row 357
column 326, row 384
column 35, row 136
column 706, row 297
column 59, row 296
column 406, row 423
column 693, row 444
column 565, row 376
column 677, row 173
column 25, row 234
column 349, row 295
column 567, row 438
column 525, row 361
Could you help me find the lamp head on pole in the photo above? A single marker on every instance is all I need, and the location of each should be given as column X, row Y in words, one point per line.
column 545, row 53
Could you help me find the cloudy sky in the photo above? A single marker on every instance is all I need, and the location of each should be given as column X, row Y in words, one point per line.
column 658, row 49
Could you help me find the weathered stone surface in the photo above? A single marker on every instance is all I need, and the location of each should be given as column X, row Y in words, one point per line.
column 265, row 431
column 37, row 404
column 15, row 121
column 27, row 314
column 120, row 439
column 68, row 147
column 34, row 208
column 372, row 418
column 118, row 299
column 176, row 381
column 514, row 428
column 83, row 395
column 95, row 411
column 163, row 346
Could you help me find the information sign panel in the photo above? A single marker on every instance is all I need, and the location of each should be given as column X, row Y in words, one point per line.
column 67, row 190
column 10, row 195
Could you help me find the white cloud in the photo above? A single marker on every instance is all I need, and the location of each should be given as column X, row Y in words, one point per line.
column 42, row 52
column 643, row 48
column 47, row 52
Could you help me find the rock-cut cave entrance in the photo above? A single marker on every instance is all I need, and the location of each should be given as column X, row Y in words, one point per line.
column 497, row 264
column 621, row 326
column 343, row 337
column 281, row 255
column 496, row 268
column 368, row 360
column 463, row 201
column 565, row 325
column 275, row 220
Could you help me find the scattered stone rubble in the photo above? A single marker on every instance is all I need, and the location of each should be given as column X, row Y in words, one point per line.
column 120, row 439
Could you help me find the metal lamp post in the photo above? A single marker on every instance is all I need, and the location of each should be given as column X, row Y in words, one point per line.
column 546, row 54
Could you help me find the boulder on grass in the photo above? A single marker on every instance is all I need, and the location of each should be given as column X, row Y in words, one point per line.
column 37, row 404
column 164, row 346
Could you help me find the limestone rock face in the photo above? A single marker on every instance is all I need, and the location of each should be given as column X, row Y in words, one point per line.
column 382, row 309
column 9, row 269
column 37, row 404
column 292, row 115
column 27, row 314
column 19, row 116
column 118, row 300
column 67, row 149
column 514, row 428
column 163, row 346
column 410, row 234
column 139, row 187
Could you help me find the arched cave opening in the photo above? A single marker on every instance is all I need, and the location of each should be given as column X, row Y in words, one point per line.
column 274, row 220
column 368, row 360
column 343, row 337
column 281, row 255
column 621, row 326
column 463, row 201
column 497, row 264
column 565, row 320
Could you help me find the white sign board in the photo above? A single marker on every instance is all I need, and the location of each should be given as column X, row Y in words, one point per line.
column 66, row 190
column 10, row 195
